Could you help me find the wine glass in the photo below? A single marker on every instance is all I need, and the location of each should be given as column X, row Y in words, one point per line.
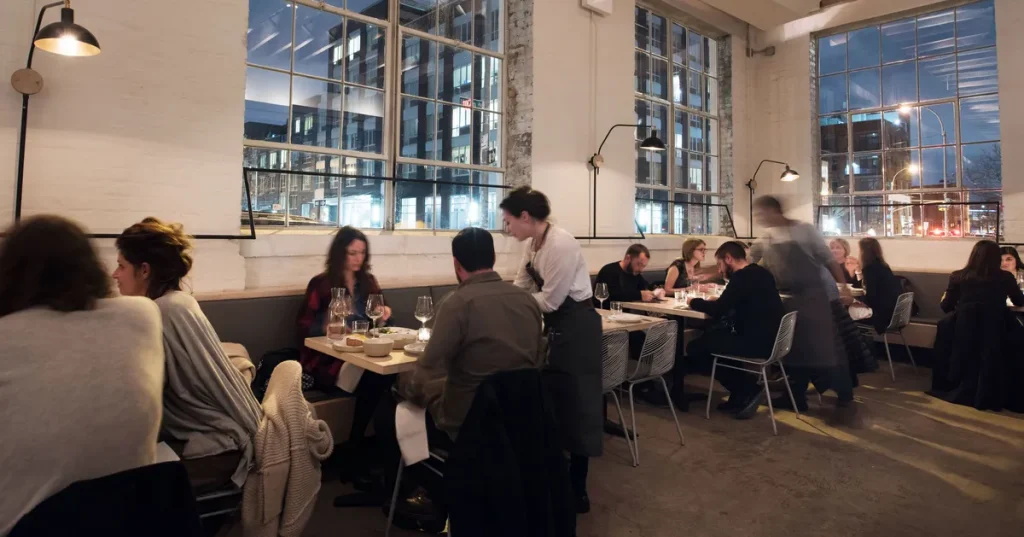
column 601, row 293
column 337, row 311
column 424, row 310
column 375, row 308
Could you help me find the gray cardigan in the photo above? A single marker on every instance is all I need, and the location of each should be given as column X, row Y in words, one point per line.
column 207, row 403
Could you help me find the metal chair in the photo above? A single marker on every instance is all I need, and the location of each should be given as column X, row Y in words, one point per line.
column 900, row 320
column 657, row 358
column 614, row 356
column 783, row 344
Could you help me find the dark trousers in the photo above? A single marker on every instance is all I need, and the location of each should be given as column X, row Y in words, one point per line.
column 698, row 359
column 370, row 395
column 824, row 378
column 387, row 440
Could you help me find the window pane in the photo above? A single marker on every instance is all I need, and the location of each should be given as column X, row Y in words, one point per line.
column 899, row 84
column 695, row 93
column 362, row 200
column 832, row 94
column 680, row 168
column 868, row 217
column 642, row 29
column 642, row 74
column 643, row 168
column 696, row 173
column 831, row 54
column 983, row 165
column 862, row 47
column 489, row 32
column 976, row 25
column 835, row 175
column 835, row 221
column 681, row 136
column 414, row 203
column 487, row 137
column 419, row 14
column 979, row 119
column 935, row 33
column 372, row 8
column 711, row 175
column 680, row 226
column 269, row 37
column 711, row 135
column 939, row 220
column 938, row 167
column 659, row 78
column 454, row 126
column 419, row 75
column 658, row 159
column 937, row 77
column 364, row 120
column 487, row 90
column 900, row 128
column 867, row 172
column 981, row 218
column 659, row 212
column 867, row 132
column 417, row 131
column 902, row 220
column 696, row 133
column 711, row 97
column 834, row 136
column 269, row 190
column 679, row 85
column 864, row 89
column 365, row 62
column 898, row 41
column 678, row 44
column 316, row 112
column 313, row 200
column 642, row 210
column 659, row 44
column 454, row 75
column 318, row 43
column 937, row 124
column 902, row 169
column 266, row 105
column 455, row 20
column 695, row 49
column 711, row 57
column 458, row 206
column 977, row 71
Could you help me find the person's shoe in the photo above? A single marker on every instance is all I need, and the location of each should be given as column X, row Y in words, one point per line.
column 731, row 406
column 783, row 403
column 845, row 415
column 749, row 405
column 418, row 506
column 582, row 504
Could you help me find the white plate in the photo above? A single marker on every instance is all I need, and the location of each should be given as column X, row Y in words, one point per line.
column 625, row 318
column 342, row 347
column 415, row 349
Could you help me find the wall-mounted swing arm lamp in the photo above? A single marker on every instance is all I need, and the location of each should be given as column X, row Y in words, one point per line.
column 788, row 175
column 651, row 143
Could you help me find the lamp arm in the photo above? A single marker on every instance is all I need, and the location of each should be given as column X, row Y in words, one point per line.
column 752, row 177
column 39, row 23
column 600, row 147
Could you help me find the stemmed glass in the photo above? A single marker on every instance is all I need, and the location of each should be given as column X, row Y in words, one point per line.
column 375, row 309
column 424, row 312
column 337, row 312
column 601, row 293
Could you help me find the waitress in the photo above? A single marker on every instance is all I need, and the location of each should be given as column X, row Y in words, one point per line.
column 553, row 269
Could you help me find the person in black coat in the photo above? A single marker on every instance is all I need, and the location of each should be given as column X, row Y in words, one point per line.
column 624, row 279
column 881, row 287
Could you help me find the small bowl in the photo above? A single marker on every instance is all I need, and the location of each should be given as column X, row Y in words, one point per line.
column 378, row 347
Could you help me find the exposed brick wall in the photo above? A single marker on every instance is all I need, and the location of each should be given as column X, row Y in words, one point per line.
column 726, row 168
column 519, row 92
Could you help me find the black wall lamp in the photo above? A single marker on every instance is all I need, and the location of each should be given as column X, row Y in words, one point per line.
column 651, row 143
column 787, row 176
column 65, row 38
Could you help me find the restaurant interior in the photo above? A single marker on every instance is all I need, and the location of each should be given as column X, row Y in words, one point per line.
column 847, row 151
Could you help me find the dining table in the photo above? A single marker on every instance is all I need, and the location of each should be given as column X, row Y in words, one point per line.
column 396, row 362
column 665, row 307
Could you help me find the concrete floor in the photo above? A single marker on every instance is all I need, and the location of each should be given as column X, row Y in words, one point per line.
column 915, row 466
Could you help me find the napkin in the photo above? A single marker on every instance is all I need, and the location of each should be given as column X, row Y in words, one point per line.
column 348, row 377
column 859, row 313
column 411, row 430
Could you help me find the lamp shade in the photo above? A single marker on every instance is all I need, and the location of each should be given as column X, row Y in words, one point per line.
column 789, row 175
column 652, row 142
column 67, row 38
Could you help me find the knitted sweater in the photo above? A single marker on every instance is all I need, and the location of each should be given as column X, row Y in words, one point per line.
column 281, row 491
column 80, row 398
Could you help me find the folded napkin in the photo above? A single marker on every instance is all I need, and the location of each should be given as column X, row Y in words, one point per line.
column 859, row 313
column 348, row 377
column 411, row 430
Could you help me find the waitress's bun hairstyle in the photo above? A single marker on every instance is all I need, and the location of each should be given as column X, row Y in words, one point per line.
column 527, row 200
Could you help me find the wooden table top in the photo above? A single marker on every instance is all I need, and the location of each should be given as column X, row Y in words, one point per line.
column 608, row 325
column 665, row 308
column 397, row 362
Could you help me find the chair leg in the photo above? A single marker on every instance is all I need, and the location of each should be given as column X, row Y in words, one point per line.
column 789, row 390
column 711, row 387
column 622, row 421
column 672, row 407
column 885, row 339
column 394, row 497
column 768, row 396
column 910, row 354
column 632, row 418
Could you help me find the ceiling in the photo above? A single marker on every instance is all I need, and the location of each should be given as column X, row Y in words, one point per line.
column 766, row 14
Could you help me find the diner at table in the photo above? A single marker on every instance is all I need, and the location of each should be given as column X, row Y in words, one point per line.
column 686, row 270
column 850, row 265
column 881, row 286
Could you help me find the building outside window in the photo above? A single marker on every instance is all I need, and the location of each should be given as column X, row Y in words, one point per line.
column 415, row 95
column 908, row 116
column 676, row 84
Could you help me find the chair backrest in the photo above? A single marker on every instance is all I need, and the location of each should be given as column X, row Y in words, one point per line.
column 901, row 315
column 659, row 353
column 614, row 355
column 784, row 339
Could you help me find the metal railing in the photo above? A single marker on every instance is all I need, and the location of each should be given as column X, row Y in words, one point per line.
column 955, row 226
column 731, row 225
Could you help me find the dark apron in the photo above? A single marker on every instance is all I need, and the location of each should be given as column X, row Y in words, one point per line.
column 574, row 347
column 816, row 340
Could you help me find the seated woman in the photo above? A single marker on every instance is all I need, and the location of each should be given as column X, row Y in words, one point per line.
column 841, row 252
column 684, row 272
column 978, row 349
column 82, row 373
column 208, row 407
column 1011, row 260
column 348, row 266
column 881, row 287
